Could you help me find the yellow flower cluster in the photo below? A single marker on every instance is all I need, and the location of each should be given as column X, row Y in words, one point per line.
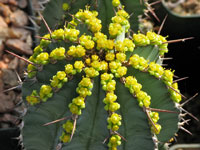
column 108, row 82
column 138, row 62
column 90, row 18
column 94, row 66
column 103, row 42
column 42, row 58
column 114, row 141
column 58, row 34
column 159, row 72
column 115, row 3
column 58, row 53
column 59, row 79
column 32, row 71
column 119, row 23
column 84, row 89
column 114, row 120
column 124, row 46
column 71, row 34
column 151, row 38
column 45, row 92
column 175, row 96
column 117, row 69
column 155, row 117
column 168, row 77
column 45, row 41
column 72, row 70
column 76, row 51
column 33, row 98
column 132, row 84
column 87, row 42
column 68, row 127
column 155, row 69
column 135, row 88
column 144, row 100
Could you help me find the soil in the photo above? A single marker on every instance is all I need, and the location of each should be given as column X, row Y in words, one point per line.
column 184, row 7
column 16, row 35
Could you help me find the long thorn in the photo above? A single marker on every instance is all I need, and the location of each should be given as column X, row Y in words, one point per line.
column 179, row 40
column 74, row 17
column 12, row 88
column 39, row 37
column 145, row 109
column 184, row 122
column 55, row 121
column 19, row 79
column 104, row 141
column 162, row 110
column 185, row 130
column 176, row 76
column 177, row 92
column 47, row 26
column 180, row 79
column 169, row 58
column 191, row 115
column 162, row 24
column 164, row 64
column 120, row 136
column 33, row 22
column 69, row 23
column 191, row 98
column 22, row 58
column 153, row 13
column 154, row 3
column 74, row 127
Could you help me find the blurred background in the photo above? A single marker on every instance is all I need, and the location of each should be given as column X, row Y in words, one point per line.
column 19, row 26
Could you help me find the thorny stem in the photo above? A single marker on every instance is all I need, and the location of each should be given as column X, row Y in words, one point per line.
column 12, row 88
column 15, row 87
column 47, row 26
column 177, row 92
column 180, row 79
column 162, row 110
column 156, row 2
column 184, row 122
column 120, row 136
column 22, row 58
column 18, row 77
column 145, row 110
column 104, row 141
column 39, row 37
column 178, row 40
column 162, row 24
column 191, row 98
column 69, row 23
column 74, row 126
column 180, row 127
column 55, row 121
column 191, row 115
column 169, row 58
column 75, row 17
column 153, row 13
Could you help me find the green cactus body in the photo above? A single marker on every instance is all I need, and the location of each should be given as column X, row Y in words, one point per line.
column 110, row 91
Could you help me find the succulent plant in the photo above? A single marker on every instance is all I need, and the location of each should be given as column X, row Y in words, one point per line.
column 86, row 89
